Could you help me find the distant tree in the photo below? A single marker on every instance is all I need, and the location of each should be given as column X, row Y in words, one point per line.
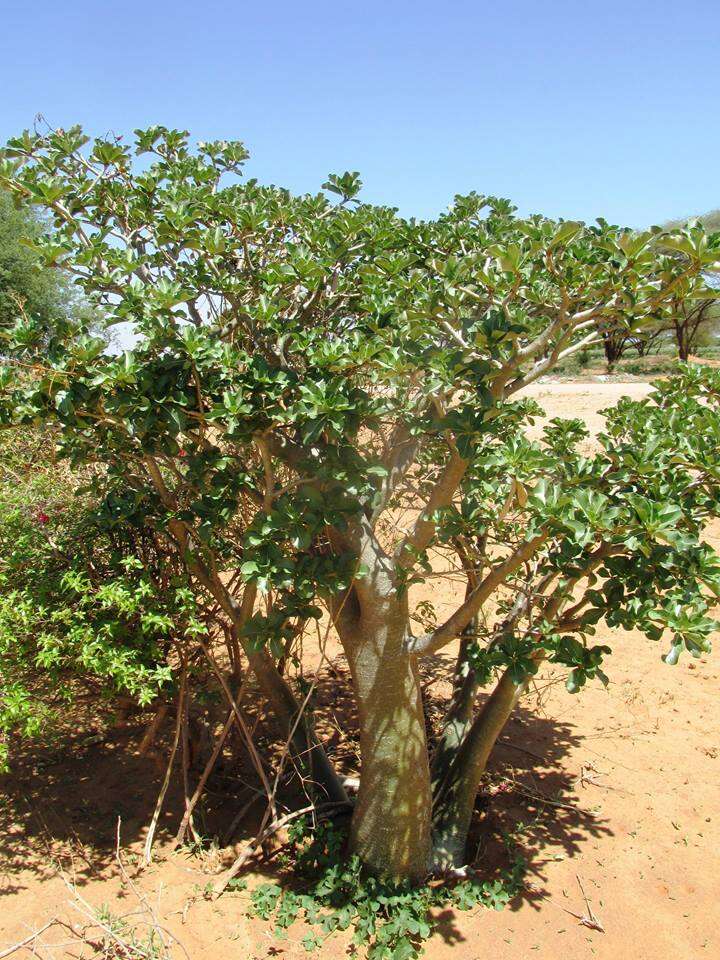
column 615, row 341
column 28, row 288
column 649, row 341
column 689, row 321
column 691, row 318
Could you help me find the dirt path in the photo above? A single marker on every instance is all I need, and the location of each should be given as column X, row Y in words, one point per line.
column 635, row 767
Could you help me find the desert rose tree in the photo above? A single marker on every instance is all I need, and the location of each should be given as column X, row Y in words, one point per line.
column 323, row 410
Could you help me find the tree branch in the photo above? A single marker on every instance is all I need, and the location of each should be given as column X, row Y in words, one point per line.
column 399, row 459
column 432, row 642
column 441, row 496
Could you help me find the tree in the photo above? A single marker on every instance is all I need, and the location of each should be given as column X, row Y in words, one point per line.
column 690, row 318
column 615, row 341
column 308, row 371
column 25, row 287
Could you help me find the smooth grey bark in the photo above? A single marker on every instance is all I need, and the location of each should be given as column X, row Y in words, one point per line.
column 455, row 797
column 459, row 715
column 391, row 827
column 452, row 628
column 391, row 821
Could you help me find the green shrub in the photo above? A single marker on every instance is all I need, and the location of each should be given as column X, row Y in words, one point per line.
column 78, row 609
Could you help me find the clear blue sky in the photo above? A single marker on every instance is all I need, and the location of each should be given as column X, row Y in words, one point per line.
column 570, row 109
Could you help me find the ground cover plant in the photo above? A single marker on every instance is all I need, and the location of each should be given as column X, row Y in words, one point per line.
column 322, row 410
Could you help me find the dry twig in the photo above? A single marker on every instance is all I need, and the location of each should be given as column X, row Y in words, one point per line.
column 8, row 951
column 588, row 919
column 264, row 834
column 147, row 854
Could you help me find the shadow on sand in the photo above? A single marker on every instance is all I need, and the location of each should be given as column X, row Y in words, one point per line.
column 67, row 801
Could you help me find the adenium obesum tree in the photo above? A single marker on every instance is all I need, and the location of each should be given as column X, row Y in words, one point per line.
column 322, row 410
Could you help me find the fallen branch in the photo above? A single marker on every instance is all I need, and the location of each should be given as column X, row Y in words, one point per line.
column 126, row 878
column 586, row 919
column 117, row 930
column 539, row 798
column 515, row 746
column 28, row 940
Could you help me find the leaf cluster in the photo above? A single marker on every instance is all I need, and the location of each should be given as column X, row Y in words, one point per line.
column 390, row 919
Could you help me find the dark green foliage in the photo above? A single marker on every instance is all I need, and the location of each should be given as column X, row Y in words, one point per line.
column 645, row 496
column 309, row 368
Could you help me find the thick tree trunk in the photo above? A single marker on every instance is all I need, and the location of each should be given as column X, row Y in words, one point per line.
column 391, row 822
column 458, row 784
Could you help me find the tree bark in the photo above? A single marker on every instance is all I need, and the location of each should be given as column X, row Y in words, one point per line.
column 391, row 821
column 613, row 350
column 459, row 716
column 456, row 791
column 683, row 342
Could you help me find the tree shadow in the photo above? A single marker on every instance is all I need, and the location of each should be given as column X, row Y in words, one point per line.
column 65, row 801
column 61, row 807
column 62, row 802
column 527, row 802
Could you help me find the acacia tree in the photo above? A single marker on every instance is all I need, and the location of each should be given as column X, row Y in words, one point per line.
column 689, row 319
column 321, row 411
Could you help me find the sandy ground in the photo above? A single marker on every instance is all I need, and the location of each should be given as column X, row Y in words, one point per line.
column 633, row 774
